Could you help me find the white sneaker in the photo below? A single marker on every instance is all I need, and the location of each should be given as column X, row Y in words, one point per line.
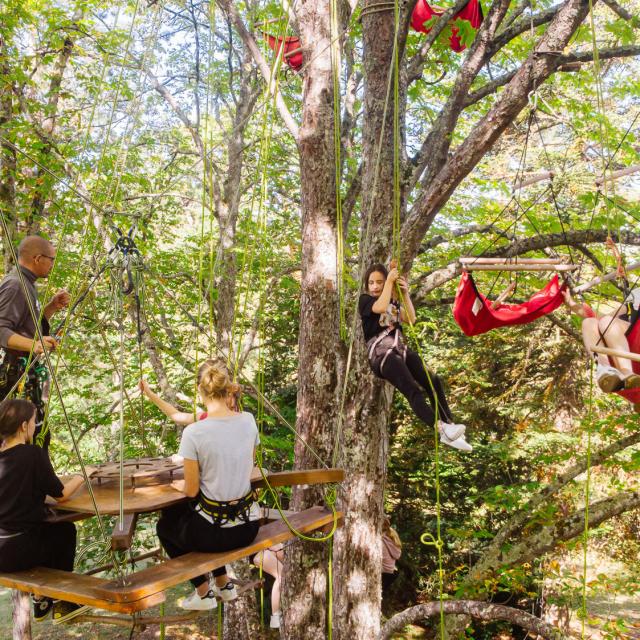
column 196, row 602
column 453, row 435
column 226, row 593
column 275, row 621
column 609, row 379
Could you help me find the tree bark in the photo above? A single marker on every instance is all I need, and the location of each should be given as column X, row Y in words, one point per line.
column 304, row 586
column 479, row 611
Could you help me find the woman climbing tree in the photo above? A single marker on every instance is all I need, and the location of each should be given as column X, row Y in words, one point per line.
column 393, row 361
column 26, row 479
column 218, row 454
column 610, row 330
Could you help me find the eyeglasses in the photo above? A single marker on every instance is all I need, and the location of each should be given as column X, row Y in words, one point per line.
column 42, row 255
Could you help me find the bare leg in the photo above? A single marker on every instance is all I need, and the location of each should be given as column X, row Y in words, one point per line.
column 613, row 331
column 273, row 566
column 591, row 336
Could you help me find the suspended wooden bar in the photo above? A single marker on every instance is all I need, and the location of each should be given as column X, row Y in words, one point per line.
column 515, row 264
column 616, row 353
column 612, row 275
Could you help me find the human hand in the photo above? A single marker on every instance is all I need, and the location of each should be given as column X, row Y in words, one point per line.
column 143, row 385
column 48, row 342
column 403, row 284
column 394, row 274
column 178, row 485
column 90, row 470
column 60, row 300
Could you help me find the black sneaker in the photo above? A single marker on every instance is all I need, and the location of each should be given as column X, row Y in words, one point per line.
column 41, row 608
column 64, row 611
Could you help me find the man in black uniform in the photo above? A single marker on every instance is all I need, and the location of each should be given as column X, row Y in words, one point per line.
column 18, row 336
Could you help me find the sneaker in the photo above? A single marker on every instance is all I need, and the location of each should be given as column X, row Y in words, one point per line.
column 64, row 611
column 632, row 381
column 196, row 602
column 226, row 593
column 275, row 621
column 41, row 608
column 453, row 435
column 609, row 379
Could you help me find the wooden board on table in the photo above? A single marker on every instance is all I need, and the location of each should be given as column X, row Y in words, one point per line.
column 153, row 494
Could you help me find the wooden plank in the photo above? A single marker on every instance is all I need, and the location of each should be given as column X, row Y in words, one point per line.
column 615, row 175
column 156, row 579
column 153, row 494
column 74, row 587
column 123, row 532
column 479, row 260
column 616, row 353
column 521, row 267
column 306, row 476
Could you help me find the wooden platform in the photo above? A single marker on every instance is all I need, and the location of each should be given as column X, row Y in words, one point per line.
column 155, row 493
column 145, row 588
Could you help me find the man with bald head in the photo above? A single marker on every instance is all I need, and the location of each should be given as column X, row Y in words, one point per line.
column 18, row 335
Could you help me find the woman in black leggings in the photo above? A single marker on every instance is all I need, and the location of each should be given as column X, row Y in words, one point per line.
column 391, row 360
column 26, row 479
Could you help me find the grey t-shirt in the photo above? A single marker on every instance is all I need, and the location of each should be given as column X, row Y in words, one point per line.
column 224, row 449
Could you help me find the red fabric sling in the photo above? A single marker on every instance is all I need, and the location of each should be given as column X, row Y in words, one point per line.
column 291, row 43
column 473, row 313
column 423, row 11
column 632, row 395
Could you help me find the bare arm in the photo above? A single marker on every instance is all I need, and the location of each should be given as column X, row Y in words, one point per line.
column 574, row 307
column 179, row 417
column 407, row 311
column 73, row 484
column 381, row 304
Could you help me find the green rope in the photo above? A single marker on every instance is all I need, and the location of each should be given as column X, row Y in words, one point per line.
column 337, row 146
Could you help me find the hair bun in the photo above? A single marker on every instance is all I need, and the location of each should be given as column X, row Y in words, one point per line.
column 213, row 379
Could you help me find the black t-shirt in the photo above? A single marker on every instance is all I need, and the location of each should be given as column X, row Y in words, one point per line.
column 26, row 478
column 374, row 323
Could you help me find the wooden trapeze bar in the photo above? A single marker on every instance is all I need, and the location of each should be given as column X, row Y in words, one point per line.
column 616, row 353
column 513, row 264
column 612, row 275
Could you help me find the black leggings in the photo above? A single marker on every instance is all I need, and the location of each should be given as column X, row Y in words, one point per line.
column 181, row 530
column 411, row 380
column 49, row 544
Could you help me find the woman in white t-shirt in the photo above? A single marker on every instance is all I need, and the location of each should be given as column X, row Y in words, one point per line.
column 219, row 454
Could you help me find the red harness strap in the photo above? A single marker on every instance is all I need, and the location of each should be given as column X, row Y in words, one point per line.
column 291, row 43
column 423, row 12
column 632, row 395
column 473, row 313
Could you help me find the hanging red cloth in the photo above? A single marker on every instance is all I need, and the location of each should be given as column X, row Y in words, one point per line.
column 632, row 395
column 472, row 12
column 473, row 313
column 291, row 43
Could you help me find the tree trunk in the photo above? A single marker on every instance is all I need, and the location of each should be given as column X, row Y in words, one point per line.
column 305, row 576
column 7, row 157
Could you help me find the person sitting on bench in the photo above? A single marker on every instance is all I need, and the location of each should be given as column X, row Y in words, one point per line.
column 26, row 478
column 218, row 453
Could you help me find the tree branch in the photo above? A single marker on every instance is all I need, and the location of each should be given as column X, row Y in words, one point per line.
column 619, row 10
column 478, row 610
column 437, row 278
column 249, row 41
column 540, row 64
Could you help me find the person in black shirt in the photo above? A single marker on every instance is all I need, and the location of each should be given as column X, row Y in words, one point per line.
column 391, row 360
column 18, row 334
column 26, row 479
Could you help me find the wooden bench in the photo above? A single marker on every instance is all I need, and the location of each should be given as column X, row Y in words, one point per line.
column 145, row 588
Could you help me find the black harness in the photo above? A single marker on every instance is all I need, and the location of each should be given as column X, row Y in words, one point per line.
column 221, row 511
column 382, row 345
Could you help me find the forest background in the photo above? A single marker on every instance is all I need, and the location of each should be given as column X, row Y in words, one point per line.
column 174, row 119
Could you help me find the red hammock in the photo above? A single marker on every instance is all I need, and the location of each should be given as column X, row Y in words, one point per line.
column 632, row 395
column 472, row 12
column 473, row 313
column 291, row 43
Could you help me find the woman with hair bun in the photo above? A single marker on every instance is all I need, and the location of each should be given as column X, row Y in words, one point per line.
column 219, row 454
column 26, row 479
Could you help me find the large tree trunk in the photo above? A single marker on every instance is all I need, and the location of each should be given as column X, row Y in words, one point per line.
column 305, row 575
column 364, row 439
